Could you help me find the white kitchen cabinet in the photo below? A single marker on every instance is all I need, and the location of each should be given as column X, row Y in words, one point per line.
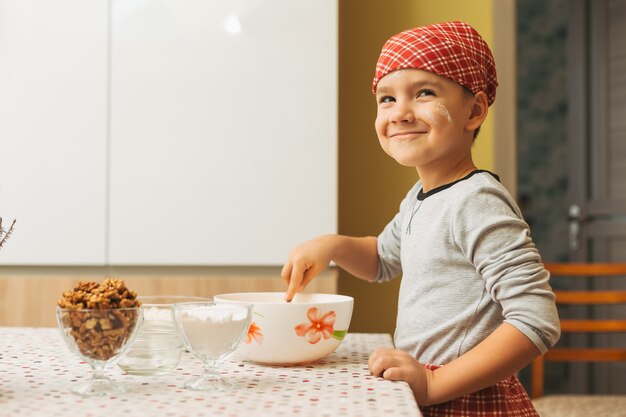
column 156, row 132
column 53, row 101
column 223, row 130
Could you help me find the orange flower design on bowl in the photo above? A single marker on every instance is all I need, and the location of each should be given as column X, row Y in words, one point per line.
column 319, row 326
column 254, row 332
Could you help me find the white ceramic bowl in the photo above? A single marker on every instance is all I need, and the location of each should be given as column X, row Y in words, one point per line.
column 309, row 328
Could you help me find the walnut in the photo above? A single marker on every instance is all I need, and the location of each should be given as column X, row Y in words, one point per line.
column 90, row 313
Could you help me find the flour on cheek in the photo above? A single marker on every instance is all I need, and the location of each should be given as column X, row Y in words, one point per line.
column 432, row 118
column 439, row 116
column 444, row 112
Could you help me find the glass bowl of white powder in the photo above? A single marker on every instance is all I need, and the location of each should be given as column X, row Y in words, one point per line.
column 211, row 332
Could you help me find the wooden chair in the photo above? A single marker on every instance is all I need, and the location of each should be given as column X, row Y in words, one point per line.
column 582, row 405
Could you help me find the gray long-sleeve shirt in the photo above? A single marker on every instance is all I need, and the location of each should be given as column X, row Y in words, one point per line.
column 468, row 264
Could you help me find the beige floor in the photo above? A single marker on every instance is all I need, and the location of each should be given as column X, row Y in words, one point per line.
column 581, row 406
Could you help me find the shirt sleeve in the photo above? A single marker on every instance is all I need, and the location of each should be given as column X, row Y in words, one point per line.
column 491, row 233
column 389, row 242
column 388, row 245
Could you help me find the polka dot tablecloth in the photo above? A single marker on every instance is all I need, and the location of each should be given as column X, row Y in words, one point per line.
column 37, row 370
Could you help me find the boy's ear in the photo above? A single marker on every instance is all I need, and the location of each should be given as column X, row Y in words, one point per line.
column 479, row 111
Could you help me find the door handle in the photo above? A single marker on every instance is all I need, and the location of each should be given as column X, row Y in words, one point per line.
column 575, row 217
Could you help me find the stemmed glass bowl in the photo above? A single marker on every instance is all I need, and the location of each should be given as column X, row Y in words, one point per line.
column 157, row 348
column 99, row 337
column 212, row 331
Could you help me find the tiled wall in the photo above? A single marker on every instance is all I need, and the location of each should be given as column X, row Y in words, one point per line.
column 542, row 122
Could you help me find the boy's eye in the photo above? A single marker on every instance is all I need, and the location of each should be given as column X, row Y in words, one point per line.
column 425, row 92
column 386, row 99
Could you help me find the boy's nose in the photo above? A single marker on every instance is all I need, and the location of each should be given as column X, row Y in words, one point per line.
column 402, row 114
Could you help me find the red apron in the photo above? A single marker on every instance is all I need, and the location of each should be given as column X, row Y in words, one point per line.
column 507, row 398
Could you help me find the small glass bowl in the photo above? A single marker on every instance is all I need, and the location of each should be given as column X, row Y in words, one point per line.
column 157, row 348
column 99, row 337
column 212, row 332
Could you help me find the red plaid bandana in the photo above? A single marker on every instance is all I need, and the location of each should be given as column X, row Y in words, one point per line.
column 452, row 49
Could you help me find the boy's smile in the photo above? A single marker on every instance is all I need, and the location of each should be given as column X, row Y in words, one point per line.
column 407, row 134
column 424, row 120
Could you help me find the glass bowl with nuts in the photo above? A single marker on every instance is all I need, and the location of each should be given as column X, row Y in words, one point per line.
column 99, row 322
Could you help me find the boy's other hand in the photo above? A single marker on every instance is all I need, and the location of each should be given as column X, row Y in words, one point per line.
column 305, row 262
column 397, row 365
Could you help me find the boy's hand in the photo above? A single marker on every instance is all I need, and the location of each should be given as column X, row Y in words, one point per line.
column 305, row 262
column 397, row 365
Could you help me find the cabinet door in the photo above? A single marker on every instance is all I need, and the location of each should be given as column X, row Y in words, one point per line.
column 223, row 129
column 53, row 101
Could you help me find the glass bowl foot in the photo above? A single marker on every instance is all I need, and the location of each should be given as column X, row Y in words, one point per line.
column 211, row 383
column 98, row 387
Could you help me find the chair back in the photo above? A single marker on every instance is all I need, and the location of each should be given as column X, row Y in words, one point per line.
column 588, row 298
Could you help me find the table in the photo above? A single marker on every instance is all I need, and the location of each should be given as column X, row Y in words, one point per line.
column 37, row 370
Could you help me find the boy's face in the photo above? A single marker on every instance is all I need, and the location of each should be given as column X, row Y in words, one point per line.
column 423, row 118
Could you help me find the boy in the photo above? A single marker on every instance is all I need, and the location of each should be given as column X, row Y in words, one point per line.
column 474, row 304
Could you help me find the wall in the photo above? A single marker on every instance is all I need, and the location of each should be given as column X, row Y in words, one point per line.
column 371, row 185
column 28, row 296
column 542, row 150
